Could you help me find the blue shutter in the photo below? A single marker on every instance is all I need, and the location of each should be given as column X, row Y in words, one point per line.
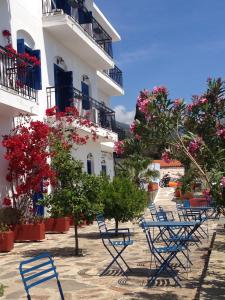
column 39, row 209
column 37, row 85
column 85, row 96
column 67, row 89
column 20, row 46
column 85, row 17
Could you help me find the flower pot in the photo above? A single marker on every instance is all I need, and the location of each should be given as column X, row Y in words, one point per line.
column 6, row 241
column 187, row 195
column 153, row 186
column 29, row 232
column 177, row 193
column 58, row 225
column 199, row 202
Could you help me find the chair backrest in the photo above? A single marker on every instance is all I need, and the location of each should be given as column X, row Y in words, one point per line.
column 101, row 223
column 152, row 207
column 37, row 270
column 161, row 216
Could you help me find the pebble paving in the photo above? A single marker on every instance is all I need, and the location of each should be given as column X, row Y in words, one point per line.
column 80, row 278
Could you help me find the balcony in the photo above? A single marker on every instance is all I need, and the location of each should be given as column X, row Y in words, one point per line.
column 72, row 24
column 111, row 81
column 16, row 77
column 89, row 108
column 116, row 75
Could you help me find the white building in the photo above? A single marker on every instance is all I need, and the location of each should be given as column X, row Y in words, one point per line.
column 74, row 42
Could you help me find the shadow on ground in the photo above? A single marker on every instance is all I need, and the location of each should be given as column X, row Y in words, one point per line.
column 54, row 252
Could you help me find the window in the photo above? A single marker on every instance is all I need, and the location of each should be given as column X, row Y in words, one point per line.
column 33, row 76
column 90, row 164
column 104, row 168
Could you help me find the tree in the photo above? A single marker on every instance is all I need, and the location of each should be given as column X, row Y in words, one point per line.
column 76, row 193
column 122, row 199
column 193, row 133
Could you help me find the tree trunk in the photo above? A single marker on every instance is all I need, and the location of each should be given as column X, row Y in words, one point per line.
column 117, row 226
column 76, row 236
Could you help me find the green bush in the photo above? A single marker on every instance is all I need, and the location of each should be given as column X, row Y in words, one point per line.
column 122, row 199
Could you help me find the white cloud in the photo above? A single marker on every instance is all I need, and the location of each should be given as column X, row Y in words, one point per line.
column 124, row 116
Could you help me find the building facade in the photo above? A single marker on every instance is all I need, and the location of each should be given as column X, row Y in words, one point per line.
column 73, row 40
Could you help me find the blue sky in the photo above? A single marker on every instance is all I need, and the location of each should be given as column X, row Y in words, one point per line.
column 176, row 43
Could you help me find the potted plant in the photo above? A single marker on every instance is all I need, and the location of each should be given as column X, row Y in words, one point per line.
column 30, row 229
column 57, row 223
column 6, row 238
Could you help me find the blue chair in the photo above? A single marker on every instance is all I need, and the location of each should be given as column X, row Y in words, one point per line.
column 33, row 272
column 164, row 255
column 118, row 239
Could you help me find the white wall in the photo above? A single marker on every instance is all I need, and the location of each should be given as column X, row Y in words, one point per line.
column 6, row 124
column 23, row 18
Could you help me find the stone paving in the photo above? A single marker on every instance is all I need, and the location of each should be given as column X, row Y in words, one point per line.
column 80, row 275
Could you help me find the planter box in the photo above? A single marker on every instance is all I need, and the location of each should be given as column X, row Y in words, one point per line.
column 6, row 241
column 58, row 225
column 29, row 232
column 199, row 202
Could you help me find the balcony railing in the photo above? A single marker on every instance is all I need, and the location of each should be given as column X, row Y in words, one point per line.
column 91, row 109
column 16, row 75
column 79, row 13
column 116, row 75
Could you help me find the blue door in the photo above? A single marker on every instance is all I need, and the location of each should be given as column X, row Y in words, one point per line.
column 85, row 96
column 63, row 88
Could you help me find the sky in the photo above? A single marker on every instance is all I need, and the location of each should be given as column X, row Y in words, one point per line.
column 175, row 43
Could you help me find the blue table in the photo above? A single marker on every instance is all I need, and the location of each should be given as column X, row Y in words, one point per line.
column 180, row 234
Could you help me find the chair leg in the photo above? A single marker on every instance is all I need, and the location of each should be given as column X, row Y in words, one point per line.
column 114, row 260
column 28, row 297
column 60, row 289
column 122, row 258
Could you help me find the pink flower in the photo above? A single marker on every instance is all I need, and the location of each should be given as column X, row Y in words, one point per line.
column 119, row 147
column 143, row 106
column 160, row 90
column 133, row 126
column 220, row 131
column 203, row 101
column 194, row 146
column 223, row 181
column 137, row 137
column 166, row 156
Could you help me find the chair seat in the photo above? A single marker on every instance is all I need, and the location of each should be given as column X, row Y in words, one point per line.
column 121, row 243
column 177, row 238
column 169, row 249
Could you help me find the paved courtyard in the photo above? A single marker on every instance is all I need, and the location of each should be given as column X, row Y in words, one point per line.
column 80, row 275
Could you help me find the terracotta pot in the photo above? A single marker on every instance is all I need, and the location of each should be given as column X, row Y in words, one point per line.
column 153, row 186
column 58, row 225
column 29, row 232
column 187, row 195
column 198, row 202
column 177, row 193
column 6, row 241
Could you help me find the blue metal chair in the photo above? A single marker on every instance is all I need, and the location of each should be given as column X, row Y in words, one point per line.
column 115, row 238
column 33, row 272
column 164, row 256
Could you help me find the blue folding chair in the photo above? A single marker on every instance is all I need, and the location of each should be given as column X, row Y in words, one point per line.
column 164, row 256
column 33, row 272
column 115, row 238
